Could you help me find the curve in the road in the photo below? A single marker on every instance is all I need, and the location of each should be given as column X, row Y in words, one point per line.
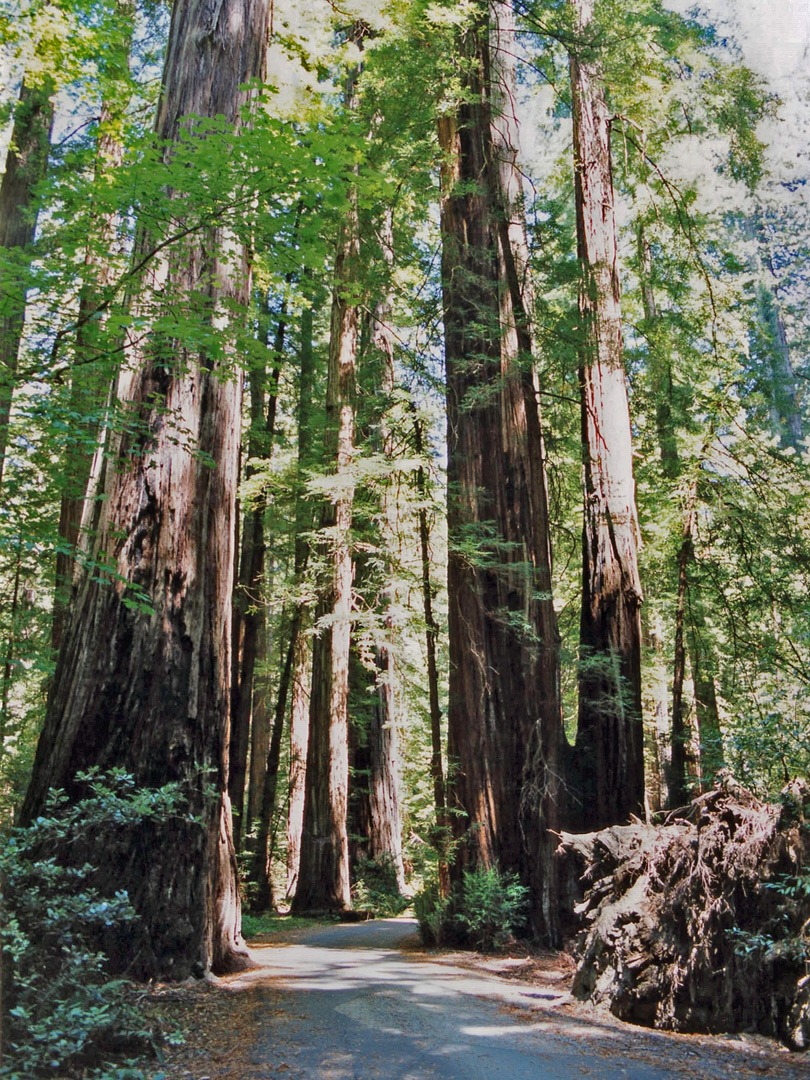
column 344, row 1004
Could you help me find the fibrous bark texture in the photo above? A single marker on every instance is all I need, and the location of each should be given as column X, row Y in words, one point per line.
column 26, row 165
column 143, row 675
column 504, row 721
column 609, row 748
column 250, row 600
column 702, row 924
column 323, row 876
column 91, row 379
column 378, row 744
column 443, row 835
column 299, row 740
column 302, row 656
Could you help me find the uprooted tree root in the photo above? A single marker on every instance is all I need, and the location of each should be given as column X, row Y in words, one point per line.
column 701, row 925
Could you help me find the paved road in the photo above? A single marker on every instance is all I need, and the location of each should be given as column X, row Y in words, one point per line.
column 344, row 1004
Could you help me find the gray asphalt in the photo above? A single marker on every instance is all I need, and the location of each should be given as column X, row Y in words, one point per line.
column 344, row 1004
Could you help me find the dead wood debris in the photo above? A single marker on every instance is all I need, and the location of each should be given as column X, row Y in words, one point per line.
column 701, row 924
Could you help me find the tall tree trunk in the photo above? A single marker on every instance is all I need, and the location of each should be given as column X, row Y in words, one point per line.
column 250, row 599
column 680, row 783
column 299, row 741
column 442, row 836
column 610, row 744
column 145, row 685
column 504, row 723
column 323, row 876
column 784, row 395
column 26, row 165
column 9, row 659
column 299, row 712
column 263, row 899
column 660, row 362
column 89, row 381
column 382, row 733
column 662, row 733
column 680, row 770
column 259, row 730
column 710, row 734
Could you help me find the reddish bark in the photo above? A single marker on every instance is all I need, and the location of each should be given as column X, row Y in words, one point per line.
column 323, row 875
column 143, row 674
column 504, row 722
column 26, row 166
column 609, row 745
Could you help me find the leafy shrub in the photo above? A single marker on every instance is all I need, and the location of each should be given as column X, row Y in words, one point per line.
column 788, row 936
column 375, row 886
column 483, row 911
column 492, row 906
column 431, row 912
column 64, row 1013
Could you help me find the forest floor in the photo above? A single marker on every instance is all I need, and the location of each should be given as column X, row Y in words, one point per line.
column 366, row 1001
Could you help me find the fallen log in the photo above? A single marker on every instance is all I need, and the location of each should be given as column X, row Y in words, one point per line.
column 701, row 924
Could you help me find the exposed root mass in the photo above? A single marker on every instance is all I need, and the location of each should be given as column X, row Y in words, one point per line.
column 702, row 924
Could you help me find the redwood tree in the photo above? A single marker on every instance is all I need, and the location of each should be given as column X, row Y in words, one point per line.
column 143, row 675
column 323, row 873
column 504, row 720
column 609, row 746
column 26, row 165
column 90, row 382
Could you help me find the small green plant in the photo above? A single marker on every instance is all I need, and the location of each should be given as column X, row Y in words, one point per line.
column 65, row 1014
column 483, row 911
column 787, row 938
column 431, row 912
column 492, row 906
column 375, row 886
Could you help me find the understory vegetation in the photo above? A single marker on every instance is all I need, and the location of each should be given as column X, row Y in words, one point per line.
column 65, row 1011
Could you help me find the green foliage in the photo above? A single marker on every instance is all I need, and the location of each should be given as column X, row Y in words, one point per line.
column 254, row 926
column 375, row 886
column 491, row 907
column 432, row 913
column 484, row 910
column 781, row 940
column 65, row 1013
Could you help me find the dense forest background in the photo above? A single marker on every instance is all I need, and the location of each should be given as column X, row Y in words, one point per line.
column 404, row 433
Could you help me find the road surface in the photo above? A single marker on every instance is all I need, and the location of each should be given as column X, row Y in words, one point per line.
column 343, row 1003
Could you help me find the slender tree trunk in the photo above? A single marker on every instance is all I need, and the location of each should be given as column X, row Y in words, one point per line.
column 299, row 741
column 660, row 363
column 11, row 643
column 250, row 599
column 710, row 734
column 782, row 388
column 504, row 721
column 442, row 836
column 26, row 165
column 323, row 876
column 679, row 780
column 382, row 733
column 259, row 730
column 660, row 374
column 262, row 853
column 90, row 382
column 146, row 685
column 784, row 395
column 299, row 713
column 662, row 733
column 609, row 745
